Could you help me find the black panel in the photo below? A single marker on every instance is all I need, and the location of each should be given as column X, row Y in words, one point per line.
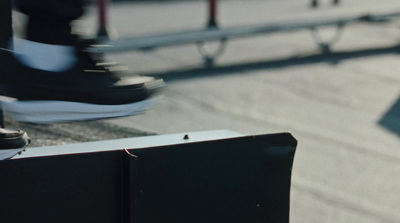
column 244, row 179
column 237, row 180
column 72, row 188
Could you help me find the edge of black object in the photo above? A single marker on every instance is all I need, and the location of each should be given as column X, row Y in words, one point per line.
column 244, row 179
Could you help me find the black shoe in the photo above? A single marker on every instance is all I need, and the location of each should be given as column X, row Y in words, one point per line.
column 12, row 143
column 90, row 90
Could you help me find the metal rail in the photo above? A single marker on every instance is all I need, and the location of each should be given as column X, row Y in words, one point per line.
column 210, row 34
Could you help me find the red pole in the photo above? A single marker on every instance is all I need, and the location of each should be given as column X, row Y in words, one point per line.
column 212, row 7
column 102, row 9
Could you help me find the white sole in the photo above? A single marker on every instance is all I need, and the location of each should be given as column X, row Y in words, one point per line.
column 42, row 112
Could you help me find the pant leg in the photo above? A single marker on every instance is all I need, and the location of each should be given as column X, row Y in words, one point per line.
column 49, row 21
column 5, row 23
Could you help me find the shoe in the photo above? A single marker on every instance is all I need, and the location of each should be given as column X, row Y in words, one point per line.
column 12, row 142
column 92, row 89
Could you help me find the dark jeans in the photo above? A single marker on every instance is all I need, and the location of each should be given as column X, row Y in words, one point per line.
column 49, row 21
column 5, row 23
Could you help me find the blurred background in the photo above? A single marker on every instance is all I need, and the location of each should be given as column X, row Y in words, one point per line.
column 343, row 106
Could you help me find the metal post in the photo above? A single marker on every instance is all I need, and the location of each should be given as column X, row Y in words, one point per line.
column 102, row 9
column 212, row 7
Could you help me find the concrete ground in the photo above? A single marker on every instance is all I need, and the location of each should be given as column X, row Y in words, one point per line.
column 343, row 108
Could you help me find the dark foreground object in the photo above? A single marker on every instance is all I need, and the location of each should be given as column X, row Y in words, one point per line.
column 240, row 179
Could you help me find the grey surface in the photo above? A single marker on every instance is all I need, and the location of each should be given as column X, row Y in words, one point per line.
column 127, row 143
column 342, row 108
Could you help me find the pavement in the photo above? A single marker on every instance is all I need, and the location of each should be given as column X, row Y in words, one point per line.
column 342, row 107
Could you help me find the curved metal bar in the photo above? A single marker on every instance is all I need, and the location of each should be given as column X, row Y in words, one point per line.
column 325, row 45
column 209, row 57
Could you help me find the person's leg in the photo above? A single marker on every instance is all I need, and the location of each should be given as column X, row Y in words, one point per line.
column 55, row 79
column 5, row 40
column 11, row 142
column 5, row 23
column 49, row 21
column 49, row 43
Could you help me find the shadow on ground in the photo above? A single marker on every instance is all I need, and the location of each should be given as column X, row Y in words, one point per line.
column 237, row 69
column 391, row 119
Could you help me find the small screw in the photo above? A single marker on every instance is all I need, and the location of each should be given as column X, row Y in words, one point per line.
column 186, row 137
